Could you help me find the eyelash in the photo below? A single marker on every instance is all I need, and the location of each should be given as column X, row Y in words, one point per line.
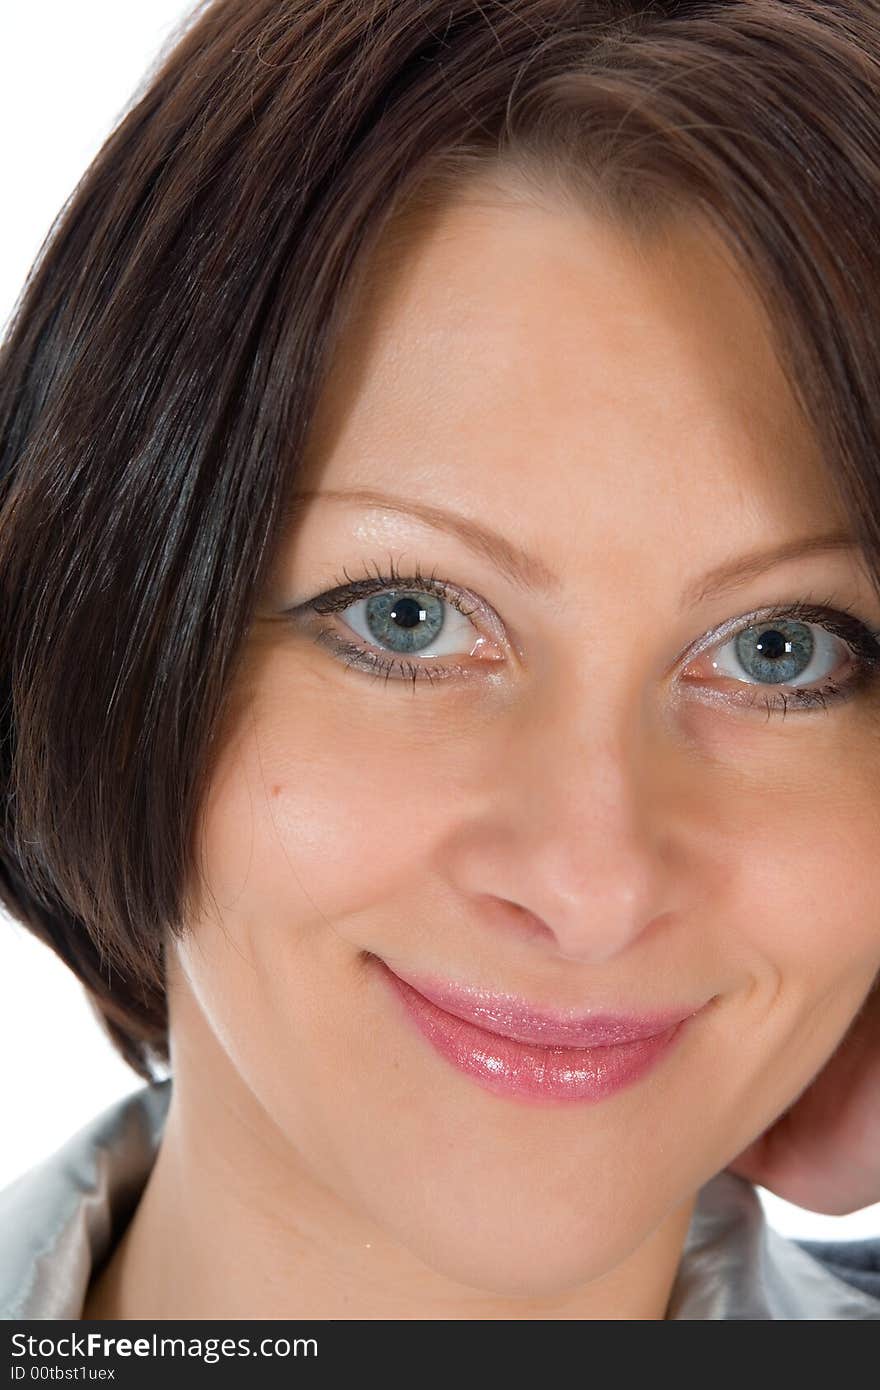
column 839, row 620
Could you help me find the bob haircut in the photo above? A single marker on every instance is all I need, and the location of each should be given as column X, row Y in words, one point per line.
column 166, row 353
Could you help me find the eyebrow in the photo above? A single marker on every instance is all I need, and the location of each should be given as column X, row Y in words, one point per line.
column 732, row 574
column 529, row 572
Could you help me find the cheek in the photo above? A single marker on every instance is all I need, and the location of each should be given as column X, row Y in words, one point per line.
column 792, row 820
column 326, row 802
column 800, row 916
column 809, row 889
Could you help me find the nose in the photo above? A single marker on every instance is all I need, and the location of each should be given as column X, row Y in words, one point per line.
column 566, row 848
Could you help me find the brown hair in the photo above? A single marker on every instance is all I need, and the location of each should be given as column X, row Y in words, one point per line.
column 161, row 369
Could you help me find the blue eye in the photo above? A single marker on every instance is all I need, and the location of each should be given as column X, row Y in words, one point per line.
column 411, row 615
column 800, row 642
column 401, row 617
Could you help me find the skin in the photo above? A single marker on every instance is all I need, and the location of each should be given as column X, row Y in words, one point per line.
column 578, row 823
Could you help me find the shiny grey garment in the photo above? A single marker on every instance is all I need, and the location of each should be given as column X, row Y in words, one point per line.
column 61, row 1219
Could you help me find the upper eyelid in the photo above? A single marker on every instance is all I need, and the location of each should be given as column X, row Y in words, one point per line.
column 371, row 584
column 812, row 612
column 818, row 609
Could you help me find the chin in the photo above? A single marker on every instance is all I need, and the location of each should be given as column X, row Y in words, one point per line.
column 523, row 1260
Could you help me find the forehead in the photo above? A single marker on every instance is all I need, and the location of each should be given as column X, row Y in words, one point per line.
column 501, row 339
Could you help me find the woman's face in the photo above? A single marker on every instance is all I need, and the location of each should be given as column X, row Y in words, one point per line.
column 578, row 809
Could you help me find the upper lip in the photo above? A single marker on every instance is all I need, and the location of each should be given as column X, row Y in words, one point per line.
column 514, row 1017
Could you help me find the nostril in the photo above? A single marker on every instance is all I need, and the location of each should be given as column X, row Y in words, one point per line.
column 513, row 917
column 535, row 925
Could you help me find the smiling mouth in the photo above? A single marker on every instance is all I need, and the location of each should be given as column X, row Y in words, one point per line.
column 511, row 1049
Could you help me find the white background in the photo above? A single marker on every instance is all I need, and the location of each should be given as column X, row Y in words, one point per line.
column 67, row 72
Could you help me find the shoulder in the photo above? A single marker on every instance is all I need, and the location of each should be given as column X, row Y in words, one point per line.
column 735, row 1265
column 857, row 1262
column 59, row 1219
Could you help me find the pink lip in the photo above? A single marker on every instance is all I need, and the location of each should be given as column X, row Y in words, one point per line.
column 511, row 1049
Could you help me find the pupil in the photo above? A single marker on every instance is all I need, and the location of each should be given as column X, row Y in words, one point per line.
column 772, row 643
column 406, row 612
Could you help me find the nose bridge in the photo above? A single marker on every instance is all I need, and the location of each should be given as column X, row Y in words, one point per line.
column 587, row 728
column 584, row 766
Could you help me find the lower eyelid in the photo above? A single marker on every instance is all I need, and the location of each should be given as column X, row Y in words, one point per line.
column 361, row 657
column 839, row 686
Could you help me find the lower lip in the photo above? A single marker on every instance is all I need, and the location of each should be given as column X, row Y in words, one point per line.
column 529, row 1071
